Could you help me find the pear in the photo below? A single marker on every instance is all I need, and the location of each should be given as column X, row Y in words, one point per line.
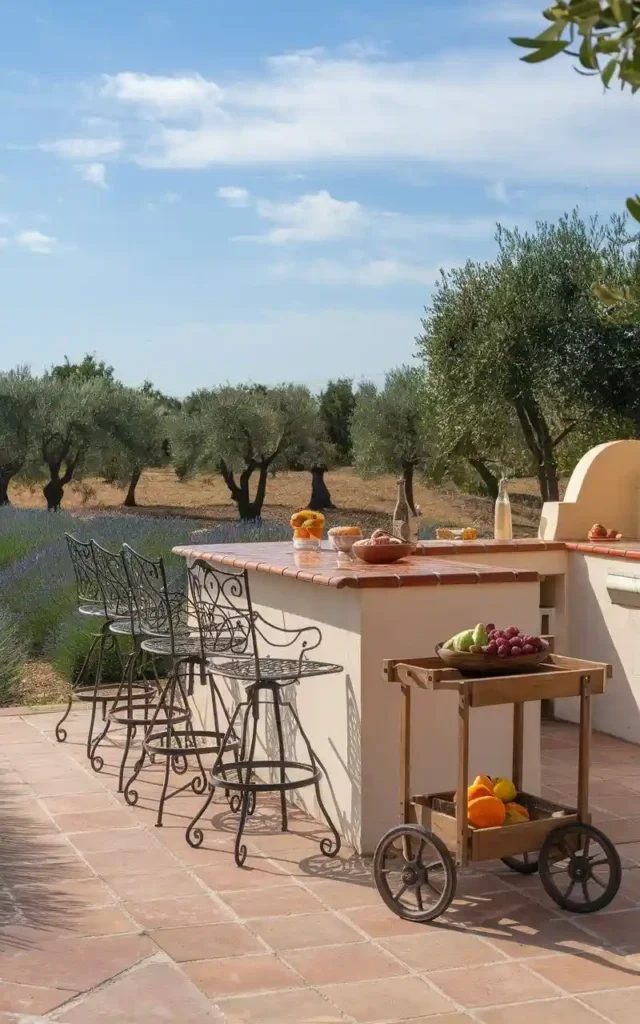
column 480, row 638
column 463, row 641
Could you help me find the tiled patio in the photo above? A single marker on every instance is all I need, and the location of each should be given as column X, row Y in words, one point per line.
column 106, row 918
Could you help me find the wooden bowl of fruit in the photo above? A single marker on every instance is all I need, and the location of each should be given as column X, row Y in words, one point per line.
column 599, row 533
column 381, row 549
column 499, row 652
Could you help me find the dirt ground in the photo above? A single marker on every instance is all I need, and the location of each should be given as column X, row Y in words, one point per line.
column 366, row 502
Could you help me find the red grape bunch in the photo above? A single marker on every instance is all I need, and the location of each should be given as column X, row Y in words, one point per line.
column 511, row 642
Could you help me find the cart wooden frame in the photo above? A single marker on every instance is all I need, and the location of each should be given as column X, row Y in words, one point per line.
column 558, row 676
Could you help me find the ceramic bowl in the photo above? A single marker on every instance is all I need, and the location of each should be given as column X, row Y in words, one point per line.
column 483, row 665
column 381, row 554
column 344, row 541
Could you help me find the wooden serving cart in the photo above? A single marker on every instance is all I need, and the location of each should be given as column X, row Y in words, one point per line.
column 415, row 862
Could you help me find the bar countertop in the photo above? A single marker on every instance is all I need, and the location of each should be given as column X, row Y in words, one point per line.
column 326, row 567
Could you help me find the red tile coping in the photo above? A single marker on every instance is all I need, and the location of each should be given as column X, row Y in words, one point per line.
column 324, row 568
column 488, row 546
column 606, row 549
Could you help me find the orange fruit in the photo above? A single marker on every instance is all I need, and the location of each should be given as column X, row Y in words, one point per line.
column 486, row 812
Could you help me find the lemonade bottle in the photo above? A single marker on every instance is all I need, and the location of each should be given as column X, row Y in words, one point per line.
column 502, row 525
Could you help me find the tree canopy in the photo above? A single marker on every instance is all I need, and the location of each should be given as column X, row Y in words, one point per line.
column 607, row 34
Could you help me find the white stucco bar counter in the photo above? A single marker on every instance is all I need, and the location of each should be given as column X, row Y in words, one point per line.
column 367, row 613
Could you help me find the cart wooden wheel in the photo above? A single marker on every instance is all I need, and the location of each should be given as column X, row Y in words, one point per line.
column 414, row 872
column 524, row 863
column 580, row 868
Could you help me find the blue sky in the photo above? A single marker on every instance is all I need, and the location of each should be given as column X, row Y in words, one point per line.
column 203, row 191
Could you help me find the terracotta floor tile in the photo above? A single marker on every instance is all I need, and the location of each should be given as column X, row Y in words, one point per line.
column 93, row 821
column 379, row 921
column 154, row 992
column 224, row 875
column 96, row 921
column 130, row 862
column 493, row 985
column 567, row 1011
column 620, row 929
column 390, row 998
column 280, row 1008
column 301, row 931
column 344, row 895
column 620, row 1007
column 440, row 949
column 177, row 912
column 240, row 975
column 81, row 802
column 500, row 908
column 623, row 830
column 27, row 999
column 272, row 902
column 74, row 892
column 328, row 965
column 131, row 839
column 589, row 972
column 206, row 942
column 155, row 886
column 76, row 963
column 559, row 935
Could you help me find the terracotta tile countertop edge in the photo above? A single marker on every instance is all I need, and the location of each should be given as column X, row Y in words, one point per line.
column 324, row 568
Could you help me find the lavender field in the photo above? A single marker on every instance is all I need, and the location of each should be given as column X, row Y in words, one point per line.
column 38, row 621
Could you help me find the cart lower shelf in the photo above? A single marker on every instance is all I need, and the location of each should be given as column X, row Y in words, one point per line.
column 437, row 813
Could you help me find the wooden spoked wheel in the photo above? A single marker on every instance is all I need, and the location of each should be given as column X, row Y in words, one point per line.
column 414, row 872
column 524, row 863
column 580, row 868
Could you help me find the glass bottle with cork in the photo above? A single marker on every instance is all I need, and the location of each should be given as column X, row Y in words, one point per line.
column 405, row 519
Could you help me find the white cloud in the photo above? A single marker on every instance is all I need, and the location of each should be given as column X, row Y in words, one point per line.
column 366, row 274
column 234, row 195
column 316, row 217
column 162, row 95
column 3, row 242
column 84, row 149
column 483, row 113
column 498, row 192
column 36, row 242
column 93, row 174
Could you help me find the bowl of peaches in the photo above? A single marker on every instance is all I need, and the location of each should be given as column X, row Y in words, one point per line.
column 381, row 549
column 342, row 538
column 598, row 532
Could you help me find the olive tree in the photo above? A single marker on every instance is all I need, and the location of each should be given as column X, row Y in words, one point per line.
column 240, row 432
column 389, row 430
column 17, row 424
column 130, row 436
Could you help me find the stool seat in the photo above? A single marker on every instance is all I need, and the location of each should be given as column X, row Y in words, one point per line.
column 183, row 645
column 274, row 670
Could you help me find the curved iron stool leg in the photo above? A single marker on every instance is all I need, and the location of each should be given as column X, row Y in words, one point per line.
column 194, row 835
column 275, row 691
column 239, row 848
column 61, row 734
column 325, row 843
column 96, row 688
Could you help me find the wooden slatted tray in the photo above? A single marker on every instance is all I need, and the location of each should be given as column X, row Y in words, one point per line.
column 438, row 813
column 557, row 676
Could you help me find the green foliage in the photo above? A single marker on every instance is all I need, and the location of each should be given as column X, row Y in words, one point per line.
column 390, row 428
column 337, row 403
column 12, row 656
column 608, row 38
column 88, row 369
column 17, row 424
column 513, row 346
column 70, row 646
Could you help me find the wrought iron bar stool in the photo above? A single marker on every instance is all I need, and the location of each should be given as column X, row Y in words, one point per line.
column 164, row 619
column 222, row 603
column 95, row 601
column 136, row 696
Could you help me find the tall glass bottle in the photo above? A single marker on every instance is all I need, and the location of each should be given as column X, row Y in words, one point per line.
column 405, row 521
column 502, row 524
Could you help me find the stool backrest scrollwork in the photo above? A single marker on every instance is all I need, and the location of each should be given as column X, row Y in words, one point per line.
column 114, row 584
column 159, row 611
column 228, row 622
column 88, row 590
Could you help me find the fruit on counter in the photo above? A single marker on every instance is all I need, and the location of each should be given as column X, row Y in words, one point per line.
column 600, row 532
column 380, row 537
column 491, row 642
column 307, row 524
column 504, row 789
column 478, row 789
column 515, row 813
column 486, row 812
column 467, row 533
